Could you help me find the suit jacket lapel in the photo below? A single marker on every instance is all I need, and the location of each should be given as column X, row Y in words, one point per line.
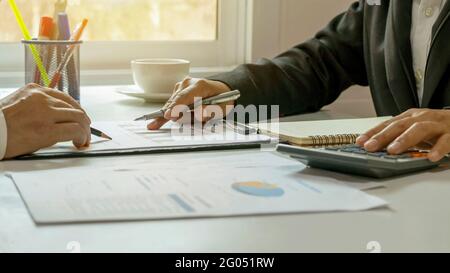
column 438, row 58
column 399, row 55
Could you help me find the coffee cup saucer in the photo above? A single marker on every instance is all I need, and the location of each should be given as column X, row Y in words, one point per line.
column 136, row 92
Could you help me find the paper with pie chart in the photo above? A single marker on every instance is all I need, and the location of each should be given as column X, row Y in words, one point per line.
column 240, row 187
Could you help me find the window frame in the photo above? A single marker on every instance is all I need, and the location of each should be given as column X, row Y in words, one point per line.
column 102, row 60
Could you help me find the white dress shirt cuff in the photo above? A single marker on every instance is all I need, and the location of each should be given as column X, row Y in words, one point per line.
column 3, row 135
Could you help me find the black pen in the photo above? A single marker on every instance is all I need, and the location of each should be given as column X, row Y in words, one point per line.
column 222, row 98
column 99, row 133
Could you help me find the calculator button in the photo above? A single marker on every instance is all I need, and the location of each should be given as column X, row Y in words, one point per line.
column 356, row 147
column 418, row 155
column 333, row 148
column 360, row 152
column 350, row 150
column 391, row 157
column 403, row 156
column 381, row 154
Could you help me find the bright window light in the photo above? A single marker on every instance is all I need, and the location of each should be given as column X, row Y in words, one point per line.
column 123, row 20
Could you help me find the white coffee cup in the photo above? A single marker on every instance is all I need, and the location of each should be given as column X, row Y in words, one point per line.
column 159, row 76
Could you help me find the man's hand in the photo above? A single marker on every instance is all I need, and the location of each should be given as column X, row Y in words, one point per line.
column 184, row 94
column 38, row 117
column 415, row 127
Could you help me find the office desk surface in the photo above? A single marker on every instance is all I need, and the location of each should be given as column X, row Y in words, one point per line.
column 418, row 218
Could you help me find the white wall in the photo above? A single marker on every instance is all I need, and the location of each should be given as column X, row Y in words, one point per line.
column 281, row 24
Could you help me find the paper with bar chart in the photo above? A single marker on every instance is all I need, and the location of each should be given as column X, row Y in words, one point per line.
column 130, row 192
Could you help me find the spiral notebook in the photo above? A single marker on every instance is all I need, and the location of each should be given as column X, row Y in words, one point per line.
column 320, row 133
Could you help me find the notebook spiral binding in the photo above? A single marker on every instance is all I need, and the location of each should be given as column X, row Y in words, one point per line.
column 333, row 140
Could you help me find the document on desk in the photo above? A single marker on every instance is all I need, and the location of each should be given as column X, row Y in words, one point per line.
column 135, row 137
column 240, row 188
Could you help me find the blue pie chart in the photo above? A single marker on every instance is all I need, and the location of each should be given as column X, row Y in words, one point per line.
column 259, row 189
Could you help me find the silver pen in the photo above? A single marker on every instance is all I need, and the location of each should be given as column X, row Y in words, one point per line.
column 222, row 98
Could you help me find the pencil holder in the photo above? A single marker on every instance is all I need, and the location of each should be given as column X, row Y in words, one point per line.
column 56, row 62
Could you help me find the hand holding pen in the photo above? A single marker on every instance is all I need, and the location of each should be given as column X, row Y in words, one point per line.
column 185, row 93
column 62, row 104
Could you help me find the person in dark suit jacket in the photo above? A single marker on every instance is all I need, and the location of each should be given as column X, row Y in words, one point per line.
column 399, row 48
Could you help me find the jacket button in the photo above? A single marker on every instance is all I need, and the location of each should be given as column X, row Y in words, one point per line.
column 429, row 12
column 419, row 75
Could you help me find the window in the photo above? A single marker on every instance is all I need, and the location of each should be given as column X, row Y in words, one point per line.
column 209, row 33
column 124, row 20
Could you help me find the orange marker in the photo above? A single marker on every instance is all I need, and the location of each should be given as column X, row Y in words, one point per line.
column 46, row 28
column 418, row 154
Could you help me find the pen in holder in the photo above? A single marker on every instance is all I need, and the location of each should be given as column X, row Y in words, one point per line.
column 61, row 61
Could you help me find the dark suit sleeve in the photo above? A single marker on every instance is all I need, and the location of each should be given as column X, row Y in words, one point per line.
column 310, row 75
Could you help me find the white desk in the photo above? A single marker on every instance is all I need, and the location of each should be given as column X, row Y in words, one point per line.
column 417, row 221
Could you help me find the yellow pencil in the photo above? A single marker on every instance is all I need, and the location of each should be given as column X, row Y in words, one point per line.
column 27, row 36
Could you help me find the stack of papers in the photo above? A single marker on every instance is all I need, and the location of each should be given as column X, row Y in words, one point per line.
column 233, row 185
